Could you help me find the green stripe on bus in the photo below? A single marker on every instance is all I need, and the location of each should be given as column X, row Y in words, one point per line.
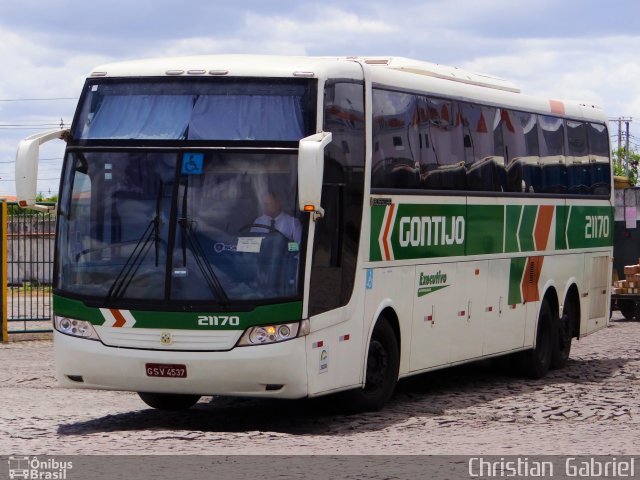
column 261, row 315
column 515, row 280
column 67, row 307
column 511, row 232
column 588, row 227
column 561, row 222
column 445, row 230
column 427, row 231
column 485, row 224
column 377, row 216
column 527, row 224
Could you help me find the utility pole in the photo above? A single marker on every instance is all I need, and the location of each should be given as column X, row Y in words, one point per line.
column 626, row 145
column 623, row 159
column 619, row 133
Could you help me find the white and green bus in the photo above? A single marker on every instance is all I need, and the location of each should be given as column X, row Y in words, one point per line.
column 292, row 227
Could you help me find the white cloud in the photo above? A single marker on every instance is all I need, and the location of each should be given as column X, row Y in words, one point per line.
column 568, row 49
column 322, row 31
column 323, row 24
column 211, row 46
column 573, row 69
column 38, row 68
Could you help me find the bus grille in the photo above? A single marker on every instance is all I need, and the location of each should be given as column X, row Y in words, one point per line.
column 157, row 339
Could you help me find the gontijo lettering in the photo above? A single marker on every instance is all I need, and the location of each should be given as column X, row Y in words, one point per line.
column 421, row 231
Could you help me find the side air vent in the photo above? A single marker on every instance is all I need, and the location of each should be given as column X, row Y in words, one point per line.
column 532, row 273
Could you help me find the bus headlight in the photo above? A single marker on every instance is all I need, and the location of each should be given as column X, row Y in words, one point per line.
column 282, row 332
column 75, row 328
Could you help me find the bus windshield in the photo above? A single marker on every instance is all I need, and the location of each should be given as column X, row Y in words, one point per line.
column 228, row 109
column 180, row 226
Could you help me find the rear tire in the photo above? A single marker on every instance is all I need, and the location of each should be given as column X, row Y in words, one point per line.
column 383, row 365
column 564, row 335
column 169, row 401
column 536, row 362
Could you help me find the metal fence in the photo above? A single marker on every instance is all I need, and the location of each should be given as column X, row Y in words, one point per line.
column 30, row 238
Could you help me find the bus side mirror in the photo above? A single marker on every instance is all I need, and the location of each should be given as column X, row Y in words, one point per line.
column 27, row 159
column 310, row 171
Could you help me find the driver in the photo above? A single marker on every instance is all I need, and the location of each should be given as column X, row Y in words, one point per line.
column 275, row 218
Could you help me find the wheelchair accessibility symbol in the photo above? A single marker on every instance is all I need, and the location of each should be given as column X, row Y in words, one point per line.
column 192, row 163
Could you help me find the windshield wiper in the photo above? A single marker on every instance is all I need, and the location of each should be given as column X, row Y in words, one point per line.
column 137, row 256
column 186, row 227
column 157, row 219
column 132, row 265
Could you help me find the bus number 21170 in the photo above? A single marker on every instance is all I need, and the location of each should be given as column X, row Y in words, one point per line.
column 218, row 320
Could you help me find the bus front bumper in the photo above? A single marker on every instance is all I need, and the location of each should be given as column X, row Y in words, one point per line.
column 277, row 370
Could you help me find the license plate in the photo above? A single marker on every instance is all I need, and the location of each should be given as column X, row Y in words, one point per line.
column 166, row 370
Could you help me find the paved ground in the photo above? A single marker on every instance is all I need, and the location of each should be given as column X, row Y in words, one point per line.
column 590, row 407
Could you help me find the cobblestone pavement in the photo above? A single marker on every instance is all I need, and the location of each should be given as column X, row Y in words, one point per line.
column 590, row 407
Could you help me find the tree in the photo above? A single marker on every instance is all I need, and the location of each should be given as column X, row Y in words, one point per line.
column 620, row 166
column 40, row 197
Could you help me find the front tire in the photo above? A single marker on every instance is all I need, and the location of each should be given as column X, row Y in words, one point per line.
column 169, row 401
column 383, row 365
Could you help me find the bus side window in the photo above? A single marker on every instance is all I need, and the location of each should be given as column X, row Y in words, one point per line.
column 578, row 168
column 396, row 136
column 447, row 142
column 483, row 148
column 446, row 131
column 599, row 161
column 552, row 154
column 425, row 156
column 522, row 152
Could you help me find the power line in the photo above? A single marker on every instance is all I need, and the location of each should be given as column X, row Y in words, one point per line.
column 36, row 99
column 621, row 134
column 29, row 124
column 39, row 179
column 42, row 160
column 33, row 126
column 26, row 128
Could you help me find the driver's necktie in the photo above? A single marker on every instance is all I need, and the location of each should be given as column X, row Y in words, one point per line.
column 273, row 223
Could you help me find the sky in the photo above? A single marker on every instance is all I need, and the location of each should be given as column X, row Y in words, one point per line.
column 584, row 50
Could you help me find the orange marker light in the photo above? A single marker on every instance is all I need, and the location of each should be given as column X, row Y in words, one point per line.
column 309, row 208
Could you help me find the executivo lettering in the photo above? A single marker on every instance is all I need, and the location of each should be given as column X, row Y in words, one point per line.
column 430, row 283
column 431, row 231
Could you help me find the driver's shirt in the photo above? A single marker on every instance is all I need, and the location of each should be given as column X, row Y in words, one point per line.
column 289, row 226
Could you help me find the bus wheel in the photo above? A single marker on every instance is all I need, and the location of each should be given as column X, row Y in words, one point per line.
column 536, row 362
column 169, row 401
column 383, row 364
column 562, row 344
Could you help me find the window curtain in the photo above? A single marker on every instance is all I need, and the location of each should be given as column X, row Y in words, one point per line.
column 246, row 117
column 141, row 117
